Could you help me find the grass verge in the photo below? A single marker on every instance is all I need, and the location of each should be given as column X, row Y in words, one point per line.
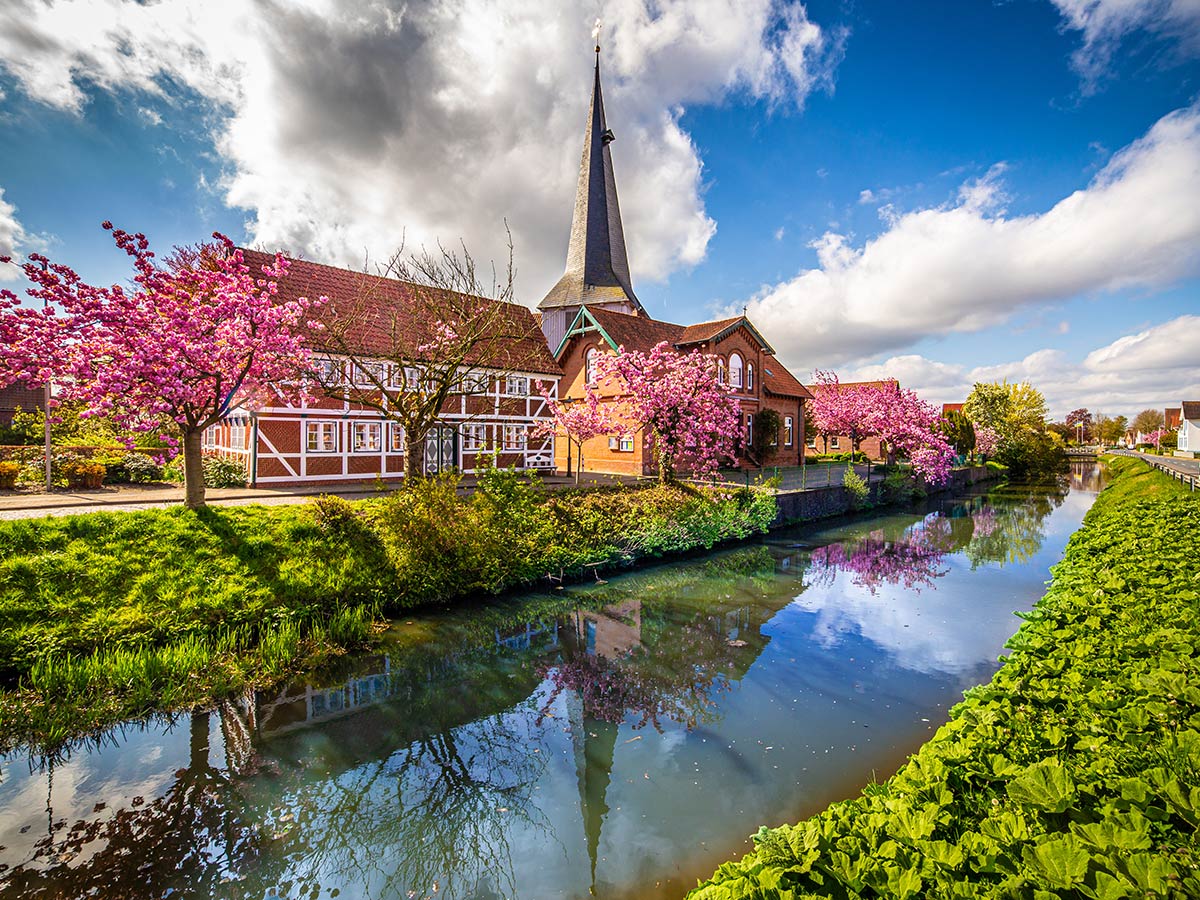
column 1074, row 773
column 110, row 616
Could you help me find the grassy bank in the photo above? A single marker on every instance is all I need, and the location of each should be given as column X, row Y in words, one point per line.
column 1074, row 773
column 113, row 615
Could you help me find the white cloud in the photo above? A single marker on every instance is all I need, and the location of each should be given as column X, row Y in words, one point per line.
column 1104, row 23
column 12, row 237
column 967, row 266
column 779, row 233
column 1153, row 368
column 346, row 124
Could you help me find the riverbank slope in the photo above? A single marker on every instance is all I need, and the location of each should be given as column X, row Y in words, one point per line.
column 106, row 617
column 1073, row 773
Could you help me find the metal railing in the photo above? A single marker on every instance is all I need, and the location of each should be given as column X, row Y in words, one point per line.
column 1166, row 466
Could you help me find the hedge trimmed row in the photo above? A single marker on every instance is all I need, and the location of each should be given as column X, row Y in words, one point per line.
column 1074, row 773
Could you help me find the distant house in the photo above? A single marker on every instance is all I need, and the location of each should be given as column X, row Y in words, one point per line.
column 948, row 408
column 1172, row 416
column 871, row 445
column 1189, row 428
column 18, row 397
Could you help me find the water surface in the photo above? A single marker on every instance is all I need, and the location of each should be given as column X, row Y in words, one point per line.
column 618, row 739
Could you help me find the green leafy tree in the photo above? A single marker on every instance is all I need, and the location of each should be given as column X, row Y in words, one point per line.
column 1148, row 420
column 959, row 432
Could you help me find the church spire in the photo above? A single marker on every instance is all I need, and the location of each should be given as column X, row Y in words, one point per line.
column 597, row 270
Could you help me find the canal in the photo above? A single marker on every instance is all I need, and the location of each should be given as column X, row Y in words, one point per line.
column 617, row 739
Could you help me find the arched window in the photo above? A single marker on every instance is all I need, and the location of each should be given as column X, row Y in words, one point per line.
column 721, row 370
column 750, row 376
column 735, row 370
column 589, row 366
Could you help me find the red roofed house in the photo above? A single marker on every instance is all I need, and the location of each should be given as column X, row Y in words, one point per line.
column 329, row 439
column 593, row 309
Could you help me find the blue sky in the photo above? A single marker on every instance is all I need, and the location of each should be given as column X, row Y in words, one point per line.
column 940, row 192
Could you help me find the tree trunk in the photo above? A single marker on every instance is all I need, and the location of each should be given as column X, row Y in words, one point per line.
column 579, row 464
column 412, row 462
column 193, row 469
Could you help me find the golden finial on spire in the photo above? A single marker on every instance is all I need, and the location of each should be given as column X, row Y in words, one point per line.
column 596, row 34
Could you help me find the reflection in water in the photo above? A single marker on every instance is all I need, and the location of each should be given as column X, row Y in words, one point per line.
column 503, row 751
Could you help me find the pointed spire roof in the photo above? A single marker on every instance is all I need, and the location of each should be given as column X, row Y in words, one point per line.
column 597, row 265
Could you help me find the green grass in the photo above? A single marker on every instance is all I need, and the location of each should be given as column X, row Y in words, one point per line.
column 1133, row 479
column 116, row 615
column 1074, row 773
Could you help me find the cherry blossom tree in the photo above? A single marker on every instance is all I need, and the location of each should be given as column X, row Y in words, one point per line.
column 676, row 398
column 195, row 338
column 579, row 420
column 986, row 440
column 844, row 409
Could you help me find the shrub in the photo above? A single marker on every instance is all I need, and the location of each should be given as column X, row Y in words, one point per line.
column 856, row 487
column 141, row 469
column 223, row 473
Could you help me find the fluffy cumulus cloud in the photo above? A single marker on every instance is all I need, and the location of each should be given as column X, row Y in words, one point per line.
column 1103, row 24
column 1153, row 368
column 969, row 265
column 345, row 125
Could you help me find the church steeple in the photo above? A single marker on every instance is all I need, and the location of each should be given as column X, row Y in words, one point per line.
column 597, row 271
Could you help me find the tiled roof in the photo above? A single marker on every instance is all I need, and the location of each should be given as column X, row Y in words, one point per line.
column 706, row 331
column 1172, row 415
column 635, row 332
column 779, row 381
column 1191, row 410
column 389, row 303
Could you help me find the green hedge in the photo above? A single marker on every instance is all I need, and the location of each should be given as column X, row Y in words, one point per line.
column 111, row 615
column 1074, row 773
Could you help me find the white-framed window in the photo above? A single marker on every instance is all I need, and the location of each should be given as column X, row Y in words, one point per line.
column 367, row 437
column 474, row 437
column 721, row 371
column 368, row 374
column 515, row 437
column 516, row 386
column 589, row 366
column 396, row 440
column 811, row 441
column 328, row 371
column 321, row 437
column 476, row 383
column 787, row 431
column 735, row 370
column 209, row 439
column 626, row 445
column 412, row 378
column 750, row 376
column 749, row 430
column 237, row 436
column 835, row 442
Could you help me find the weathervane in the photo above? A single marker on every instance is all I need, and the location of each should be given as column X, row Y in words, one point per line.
column 596, row 34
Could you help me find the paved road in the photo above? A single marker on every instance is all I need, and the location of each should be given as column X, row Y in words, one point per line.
column 1186, row 466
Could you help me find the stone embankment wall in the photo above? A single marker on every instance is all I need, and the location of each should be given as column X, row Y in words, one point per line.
column 820, row 503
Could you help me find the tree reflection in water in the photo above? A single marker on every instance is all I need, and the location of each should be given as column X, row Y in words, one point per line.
column 913, row 557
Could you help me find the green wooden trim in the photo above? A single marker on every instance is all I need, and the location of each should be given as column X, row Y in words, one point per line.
column 576, row 329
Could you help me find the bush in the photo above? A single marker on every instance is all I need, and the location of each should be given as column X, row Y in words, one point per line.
column 223, row 473
column 856, row 487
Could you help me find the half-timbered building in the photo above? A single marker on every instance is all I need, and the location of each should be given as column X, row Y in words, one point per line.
column 292, row 436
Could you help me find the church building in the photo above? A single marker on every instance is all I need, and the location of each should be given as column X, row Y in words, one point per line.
column 593, row 309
